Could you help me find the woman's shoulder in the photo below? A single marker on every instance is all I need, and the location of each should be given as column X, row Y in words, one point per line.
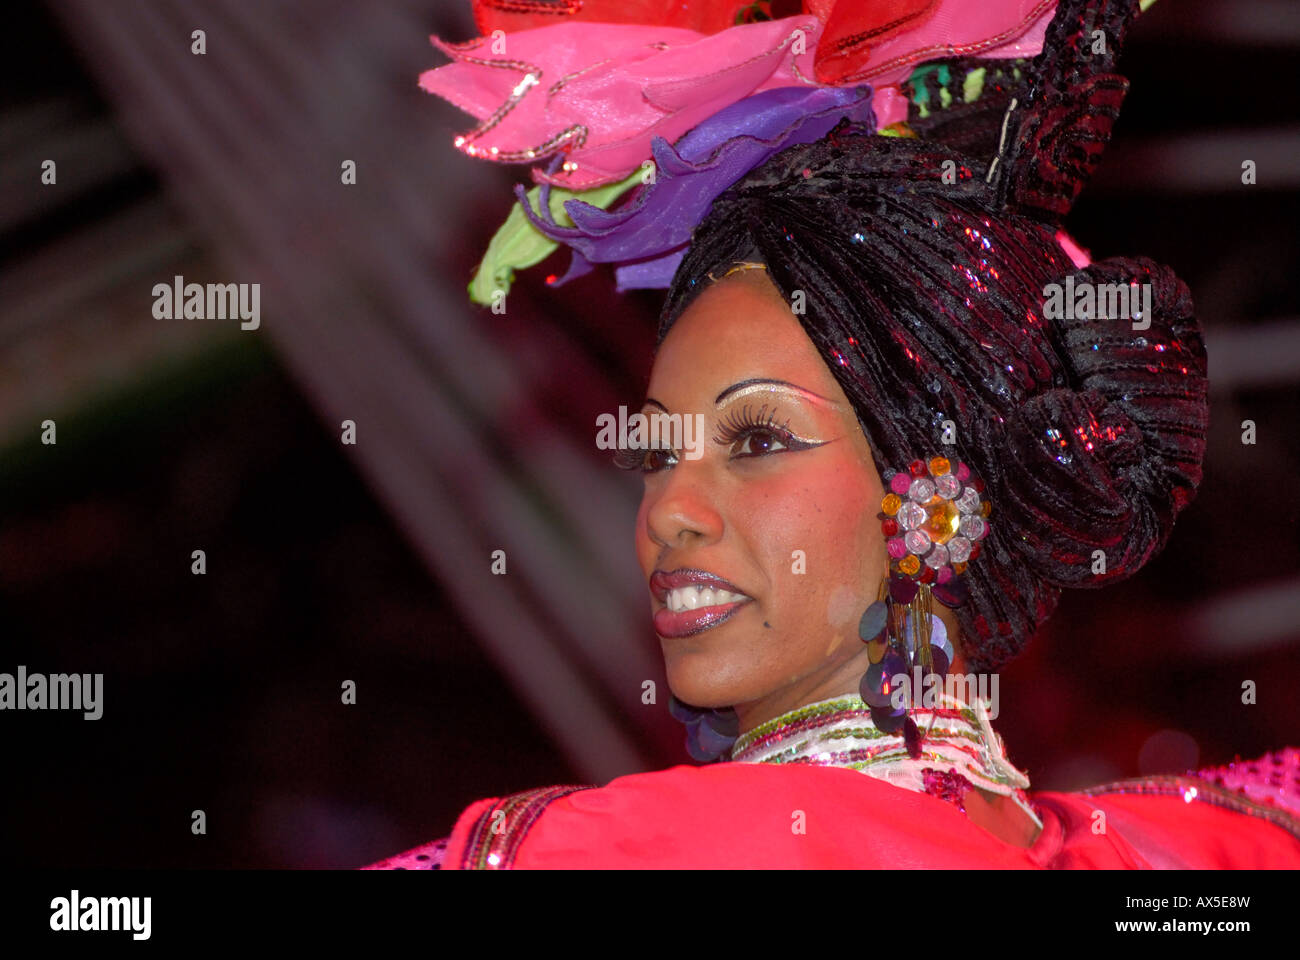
column 715, row 816
column 489, row 822
column 1241, row 814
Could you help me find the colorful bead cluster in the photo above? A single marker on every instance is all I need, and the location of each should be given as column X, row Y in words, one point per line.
column 947, row 785
column 933, row 520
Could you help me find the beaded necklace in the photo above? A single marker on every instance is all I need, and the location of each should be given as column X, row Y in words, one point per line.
column 960, row 748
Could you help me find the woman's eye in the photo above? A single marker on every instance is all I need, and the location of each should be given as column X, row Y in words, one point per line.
column 656, row 459
column 757, row 442
column 649, row 460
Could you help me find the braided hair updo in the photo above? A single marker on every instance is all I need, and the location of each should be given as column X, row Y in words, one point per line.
column 924, row 292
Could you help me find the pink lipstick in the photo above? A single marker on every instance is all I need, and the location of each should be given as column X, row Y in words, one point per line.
column 693, row 601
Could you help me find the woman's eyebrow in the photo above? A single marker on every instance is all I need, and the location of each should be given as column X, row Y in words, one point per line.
column 743, row 385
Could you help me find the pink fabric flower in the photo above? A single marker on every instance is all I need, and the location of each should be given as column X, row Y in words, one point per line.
column 603, row 90
column 599, row 92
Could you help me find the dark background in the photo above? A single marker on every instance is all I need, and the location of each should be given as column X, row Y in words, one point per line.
column 222, row 691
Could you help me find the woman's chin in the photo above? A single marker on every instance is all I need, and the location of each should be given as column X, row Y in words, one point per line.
column 693, row 679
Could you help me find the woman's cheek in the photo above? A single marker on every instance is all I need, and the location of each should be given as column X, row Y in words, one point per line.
column 646, row 551
column 781, row 516
column 799, row 532
column 844, row 607
column 835, row 530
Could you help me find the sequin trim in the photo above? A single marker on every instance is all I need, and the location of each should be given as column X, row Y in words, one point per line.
column 428, row 856
column 558, row 85
column 1201, row 791
column 562, row 8
column 1272, row 780
column 569, row 139
column 959, row 745
column 803, row 28
column 495, row 838
column 821, row 714
column 950, row 50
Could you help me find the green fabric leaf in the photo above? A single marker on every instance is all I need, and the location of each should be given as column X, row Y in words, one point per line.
column 518, row 244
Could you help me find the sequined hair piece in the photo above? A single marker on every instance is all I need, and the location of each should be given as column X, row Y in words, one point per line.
column 925, row 296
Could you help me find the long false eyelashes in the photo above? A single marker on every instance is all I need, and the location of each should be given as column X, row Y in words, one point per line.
column 734, row 426
column 629, row 458
column 737, row 424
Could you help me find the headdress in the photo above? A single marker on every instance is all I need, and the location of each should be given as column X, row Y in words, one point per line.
column 906, row 165
column 663, row 106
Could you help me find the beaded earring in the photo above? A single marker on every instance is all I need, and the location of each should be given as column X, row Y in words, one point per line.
column 933, row 520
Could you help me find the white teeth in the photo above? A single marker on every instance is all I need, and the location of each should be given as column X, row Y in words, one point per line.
column 680, row 599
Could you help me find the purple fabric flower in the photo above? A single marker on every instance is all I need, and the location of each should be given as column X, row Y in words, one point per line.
column 650, row 233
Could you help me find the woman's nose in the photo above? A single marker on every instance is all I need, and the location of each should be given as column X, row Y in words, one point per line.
column 683, row 508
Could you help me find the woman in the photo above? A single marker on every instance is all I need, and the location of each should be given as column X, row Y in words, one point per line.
column 916, row 389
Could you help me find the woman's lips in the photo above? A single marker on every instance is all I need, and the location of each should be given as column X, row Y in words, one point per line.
column 686, row 622
column 689, row 622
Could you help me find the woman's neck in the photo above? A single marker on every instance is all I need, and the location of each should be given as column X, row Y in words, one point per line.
column 840, row 679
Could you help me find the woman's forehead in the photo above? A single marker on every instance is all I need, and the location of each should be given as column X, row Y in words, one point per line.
column 739, row 328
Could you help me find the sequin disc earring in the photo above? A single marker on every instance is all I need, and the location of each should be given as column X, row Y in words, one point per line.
column 710, row 733
column 933, row 520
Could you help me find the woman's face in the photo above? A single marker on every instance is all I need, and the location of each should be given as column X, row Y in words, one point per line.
column 781, row 506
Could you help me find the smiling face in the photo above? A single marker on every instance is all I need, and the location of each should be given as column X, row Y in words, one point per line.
column 781, row 506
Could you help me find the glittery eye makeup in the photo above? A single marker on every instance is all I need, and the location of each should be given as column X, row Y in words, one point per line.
column 759, row 433
column 747, row 388
column 748, row 432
